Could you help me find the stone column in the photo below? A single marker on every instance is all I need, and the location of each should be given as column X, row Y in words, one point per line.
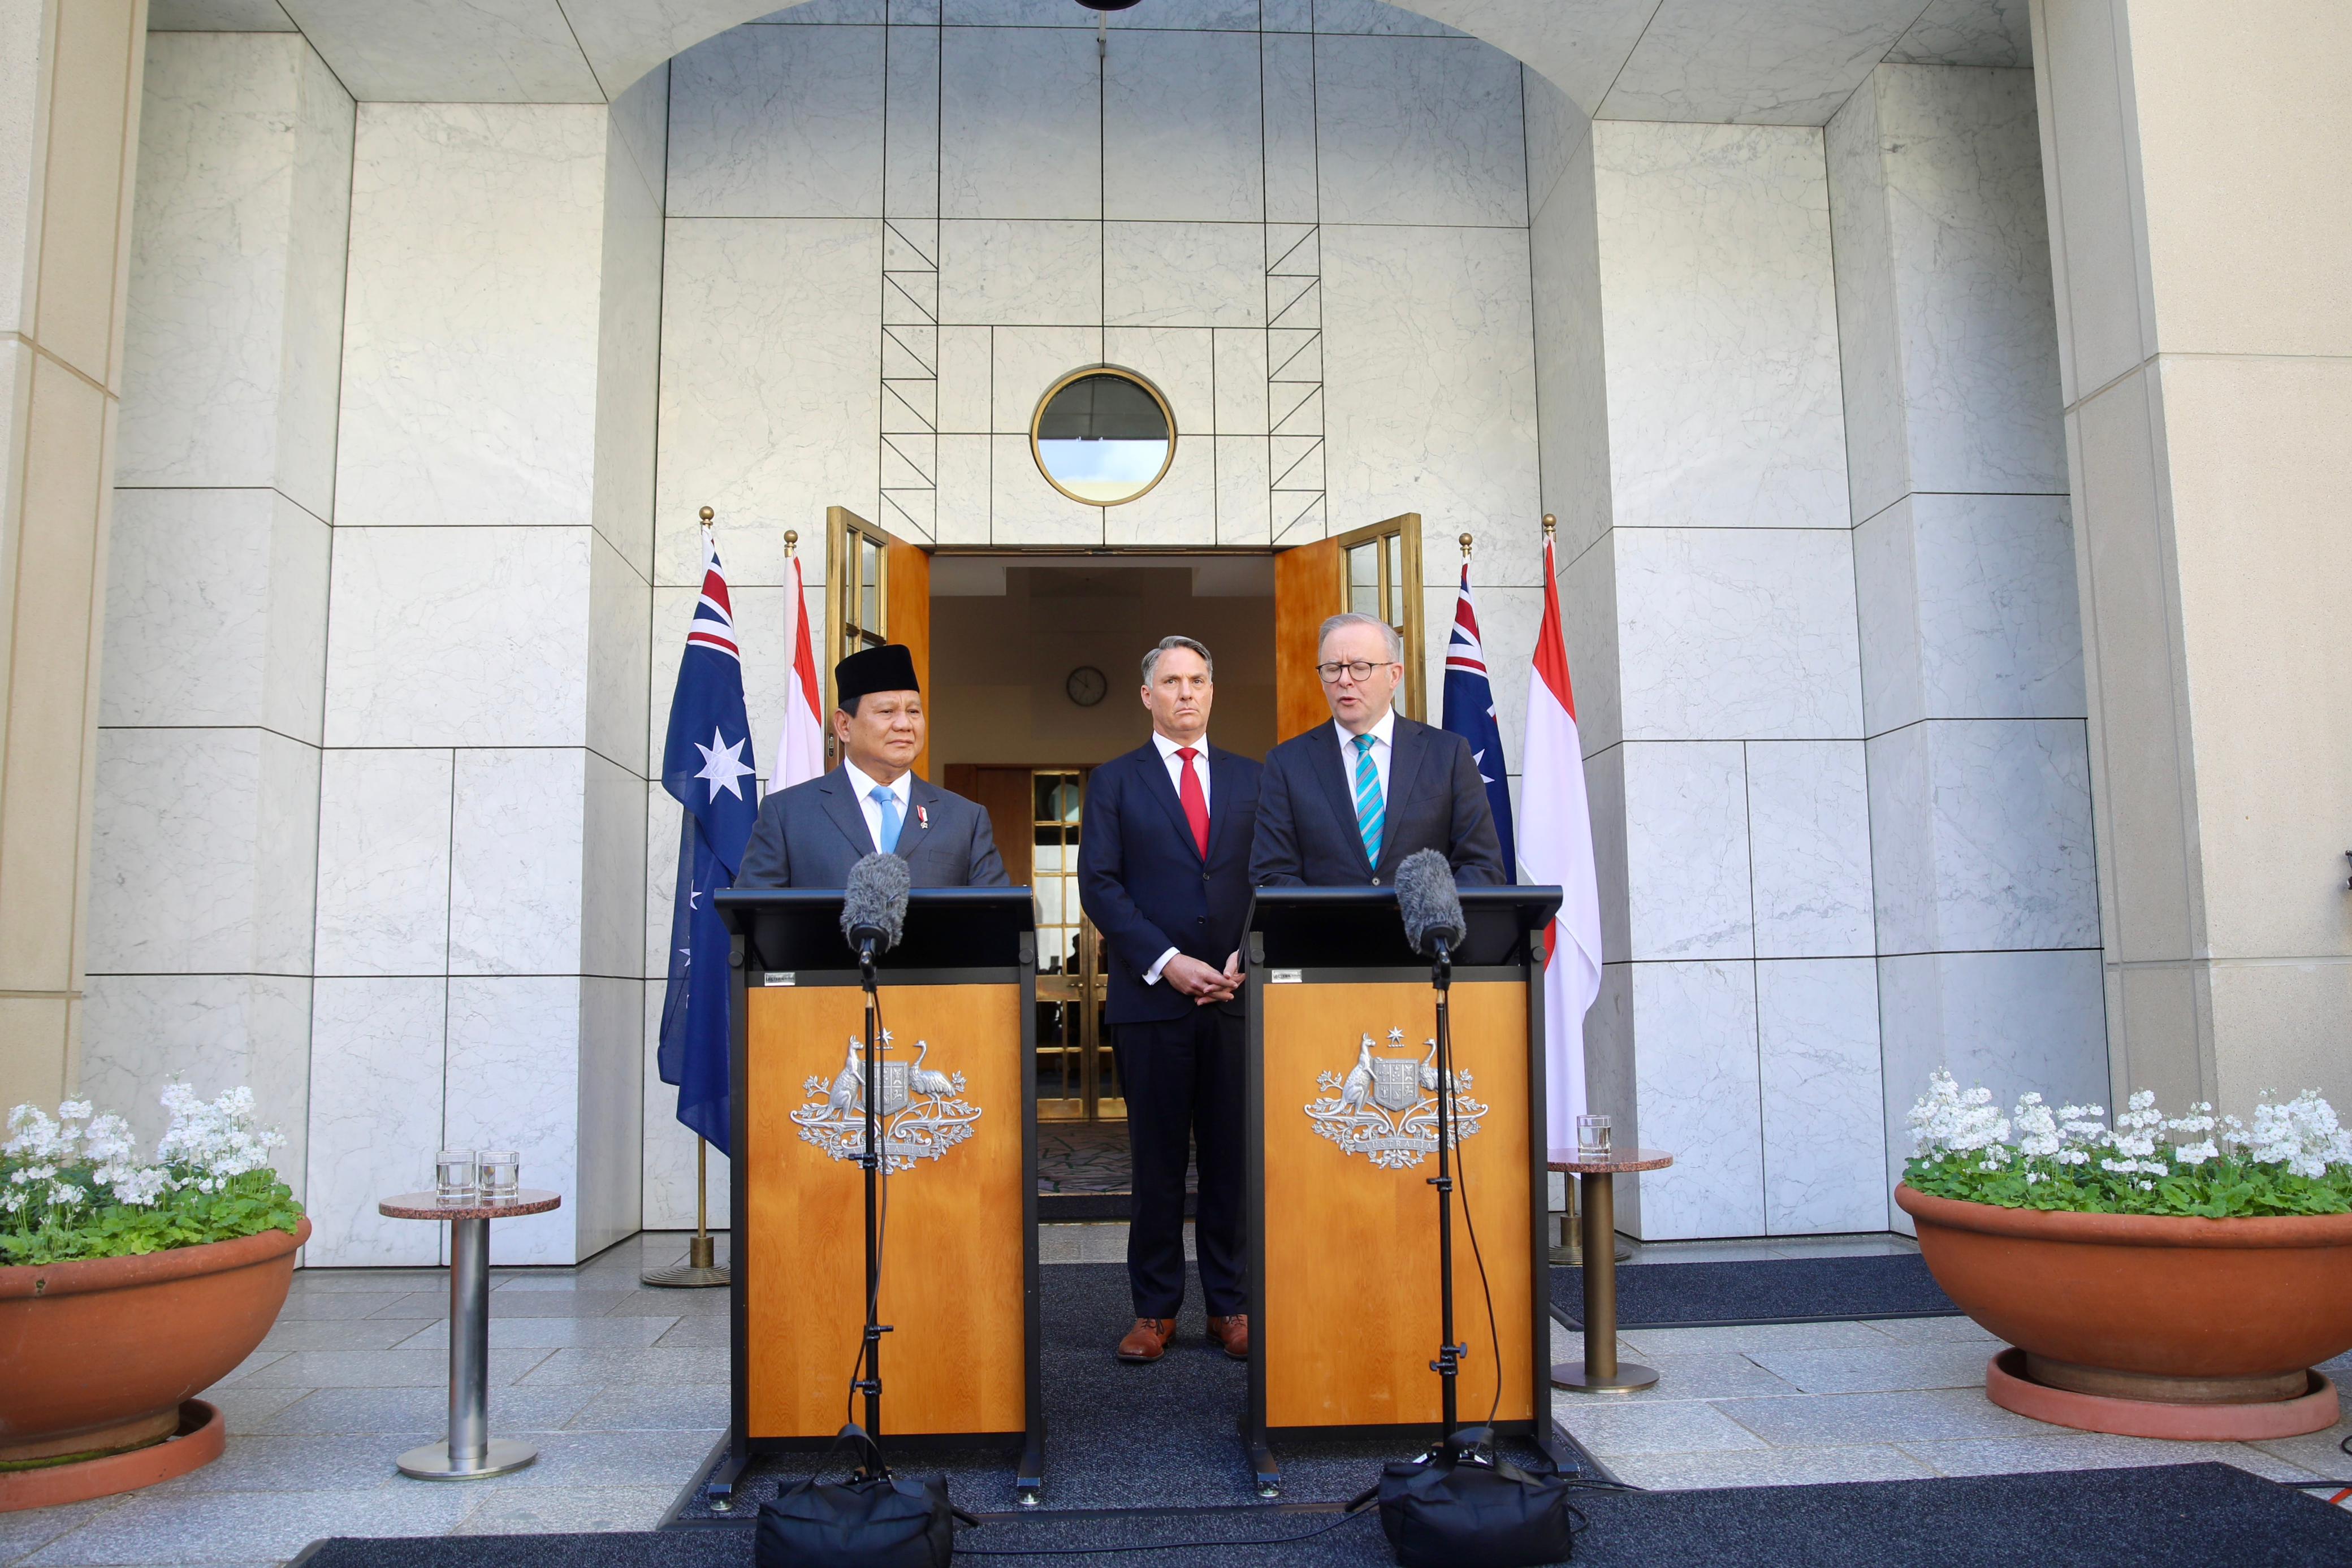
column 70, row 86
column 204, row 851
column 1972, row 652
column 2201, row 241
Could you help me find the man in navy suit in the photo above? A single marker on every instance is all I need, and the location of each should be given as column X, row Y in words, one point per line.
column 1341, row 805
column 1162, row 862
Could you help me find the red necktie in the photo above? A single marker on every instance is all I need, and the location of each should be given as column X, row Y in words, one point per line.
column 1196, row 803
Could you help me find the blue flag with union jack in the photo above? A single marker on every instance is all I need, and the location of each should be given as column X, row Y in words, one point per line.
column 1470, row 711
column 707, row 766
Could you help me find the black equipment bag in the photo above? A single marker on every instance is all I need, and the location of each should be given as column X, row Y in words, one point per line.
column 1464, row 1507
column 874, row 1520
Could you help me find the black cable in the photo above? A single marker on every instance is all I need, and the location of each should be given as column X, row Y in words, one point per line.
column 1353, row 1513
column 1494, row 1334
column 881, row 1237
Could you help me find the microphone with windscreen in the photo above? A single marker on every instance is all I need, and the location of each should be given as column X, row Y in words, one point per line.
column 874, row 906
column 1432, row 909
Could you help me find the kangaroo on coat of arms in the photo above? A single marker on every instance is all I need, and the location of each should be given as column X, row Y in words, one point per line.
column 1386, row 1107
column 923, row 1112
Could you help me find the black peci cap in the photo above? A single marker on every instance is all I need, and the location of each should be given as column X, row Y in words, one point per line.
column 889, row 668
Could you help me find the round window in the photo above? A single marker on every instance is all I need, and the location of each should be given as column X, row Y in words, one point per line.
column 1103, row 435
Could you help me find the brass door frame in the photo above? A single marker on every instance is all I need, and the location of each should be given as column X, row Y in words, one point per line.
column 1084, row 991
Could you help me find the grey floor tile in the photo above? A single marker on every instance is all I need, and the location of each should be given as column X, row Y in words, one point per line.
column 1701, row 1252
column 515, row 1305
column 610, row 1368
column 245, row 1408
column 1843, row 1246
column 1567, row 1345
column 412, row 1413
column 259, row 1361
column 1743, row 1339
column 694, row 1407
column 652, row 1303
column 328, row 1306
column 238, row 1528
column 1609, row 1425
column 573, row 1459
column 546, row 1334
column 1868, row 1371
column 1933, row 1331
column 341, row 1334
column 24, row 1533
column 1768, row 1468
column 1829, row 1419
column 1707, row 1377
column 383, row 1368
column 1057, row 1244
column 272, row 1462
column 542, row 1511
column 384, row 1280
column 705, row 1331
column 2321, row 1453
column 2065, row 1450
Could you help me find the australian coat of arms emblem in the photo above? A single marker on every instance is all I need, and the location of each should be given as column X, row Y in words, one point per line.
column 1386, row 1107
column 922, row 1114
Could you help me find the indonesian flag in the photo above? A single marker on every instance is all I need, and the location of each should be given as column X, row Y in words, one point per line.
column 1556, row 846
column 800, row 750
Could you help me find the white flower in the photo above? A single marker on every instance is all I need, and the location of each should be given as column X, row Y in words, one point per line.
column 2197, row 1153
column 2037, row 1129
column 1944, row 1120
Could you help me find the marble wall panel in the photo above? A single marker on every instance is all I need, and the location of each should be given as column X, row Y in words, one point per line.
column 1792, row 63
column 628, row 359
column 513, row 1082
column 517, row 857
column 613, row 873
column 212, row 1032
column 317, row 277
column 217, row 15
column 1184, row 275
column 1373, row 18
column 1000, row 272
column 1809, row 840
column 1696, row 1077
column 1687, row 851
column 1588, row 625
column 1183, row 128
column 1604, row 795
column 1969, row 610
column 1980, row 833
column 1446, row 313
column 1240, row 371
column 667, row 1191
column 1243, row 517
column 1178, row 361
column 835, row 11
column 470, row 337
column 1737, row 631
column 1025, row 510
column 1286, row 72
column 1817, row 1047
column 965, row 379
column 641, row 113
column 778, row 122
column 1968, row 33
column 1878, row 448
column 963, row 489
column 1609, row 1087
column 1719, row 309
column 1556, row 126
column 610, row 1178
column 1571, row 381
column 910, row 175
column 1183, row 507
column 216, row 612
column 200, row 852
column 375, row 1116
column 487, row 51
column 1028, row 360
column 620, row 616
column 1020, row 125
column 770, row 389
column 459, row 637
column 1412, row 130
column 383, row 862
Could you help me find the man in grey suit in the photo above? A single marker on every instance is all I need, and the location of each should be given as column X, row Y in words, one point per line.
column 811, row 834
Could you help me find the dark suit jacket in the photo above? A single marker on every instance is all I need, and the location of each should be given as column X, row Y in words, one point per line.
column 1144, row 883
column 1306, row 812
column 811, row 834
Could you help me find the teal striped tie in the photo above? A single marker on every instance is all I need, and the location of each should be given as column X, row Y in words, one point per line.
column 1369, row 810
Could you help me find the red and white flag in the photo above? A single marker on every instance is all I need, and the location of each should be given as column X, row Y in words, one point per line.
column 1556, row 846
column 800, row 750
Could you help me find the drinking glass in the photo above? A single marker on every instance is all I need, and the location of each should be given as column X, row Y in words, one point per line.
column 454, row 1175
column 1592, row 1138
column 501, row 1174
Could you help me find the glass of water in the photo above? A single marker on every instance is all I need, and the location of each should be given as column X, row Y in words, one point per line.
column 454, row 1176
column 1592, row 1138
column 501, row 1174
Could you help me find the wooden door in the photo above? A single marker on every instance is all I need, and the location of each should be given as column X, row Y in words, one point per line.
column 881, row 592
column 1305, row 594
column 1375, row 570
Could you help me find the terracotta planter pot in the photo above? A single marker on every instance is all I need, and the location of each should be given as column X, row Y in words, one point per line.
column 96, row 1357
column 2155, row 1308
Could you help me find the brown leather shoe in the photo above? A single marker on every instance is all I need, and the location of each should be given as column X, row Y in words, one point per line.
column 1147, row 1340
column 1232, row 1332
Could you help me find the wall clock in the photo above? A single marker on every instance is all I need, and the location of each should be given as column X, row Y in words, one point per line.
column 1087, row 686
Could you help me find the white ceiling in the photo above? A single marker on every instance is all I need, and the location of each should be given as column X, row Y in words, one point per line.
column 1777, row 62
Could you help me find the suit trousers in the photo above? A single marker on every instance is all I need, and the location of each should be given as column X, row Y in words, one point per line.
column 1186, row 1085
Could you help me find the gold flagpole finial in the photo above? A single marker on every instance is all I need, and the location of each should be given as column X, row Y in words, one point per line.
column 1550, row 523
column 791, row 538
column 706, row 515
column 1465, row 547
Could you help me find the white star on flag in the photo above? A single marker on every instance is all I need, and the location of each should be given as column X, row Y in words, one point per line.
column 723, row 764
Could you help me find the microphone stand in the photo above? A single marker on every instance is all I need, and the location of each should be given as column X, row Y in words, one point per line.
column 870, row 1382
column 1448, row 1364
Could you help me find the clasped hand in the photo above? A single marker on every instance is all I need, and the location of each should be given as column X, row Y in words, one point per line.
column 1204, row 985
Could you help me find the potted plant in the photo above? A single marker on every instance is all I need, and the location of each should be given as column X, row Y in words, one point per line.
column 2167, row 1277
column 128, row 1287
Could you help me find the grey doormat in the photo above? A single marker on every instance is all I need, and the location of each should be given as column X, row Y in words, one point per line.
column 1762, row 1290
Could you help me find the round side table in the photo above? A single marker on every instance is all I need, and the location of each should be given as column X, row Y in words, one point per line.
column 1600, row 1371
column 471, row 1453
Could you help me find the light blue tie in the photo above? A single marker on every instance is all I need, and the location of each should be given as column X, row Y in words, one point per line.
column 1369, row 810
column 887, row 798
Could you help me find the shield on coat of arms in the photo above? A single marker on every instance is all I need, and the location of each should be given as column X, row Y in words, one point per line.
column 894, row 1088
column 1396, row 1083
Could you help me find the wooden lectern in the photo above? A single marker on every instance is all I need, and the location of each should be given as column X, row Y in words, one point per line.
column 959, row 1286
column 1343, row 1083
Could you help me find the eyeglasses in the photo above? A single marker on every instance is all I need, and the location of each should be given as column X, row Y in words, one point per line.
column 1359, row 670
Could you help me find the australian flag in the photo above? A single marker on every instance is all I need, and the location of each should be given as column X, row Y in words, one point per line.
column 707, row 766
column 1470, row 711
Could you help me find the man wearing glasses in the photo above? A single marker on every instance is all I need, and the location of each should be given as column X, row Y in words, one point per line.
column 1341, row 806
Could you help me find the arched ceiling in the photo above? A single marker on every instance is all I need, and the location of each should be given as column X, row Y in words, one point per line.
column 1787, row 62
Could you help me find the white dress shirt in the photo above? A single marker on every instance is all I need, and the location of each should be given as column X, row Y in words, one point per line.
column 1168, row 749
column 1382, row 733
column 904, row 789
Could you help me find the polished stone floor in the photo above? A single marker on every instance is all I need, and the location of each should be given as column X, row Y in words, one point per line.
column 624, row 1391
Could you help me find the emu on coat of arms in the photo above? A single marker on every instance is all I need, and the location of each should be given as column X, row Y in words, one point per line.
column 923, row 1112
column 1386, row 1107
